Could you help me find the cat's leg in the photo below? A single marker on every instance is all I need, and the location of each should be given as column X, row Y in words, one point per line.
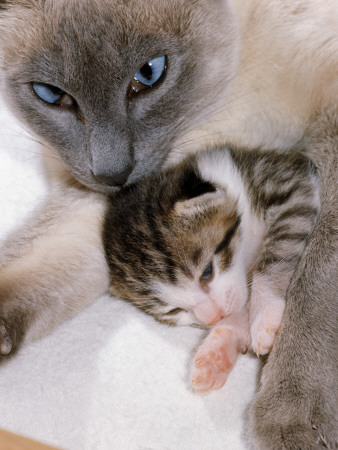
column 218, row 353
column 296, row 405
column 52, row 267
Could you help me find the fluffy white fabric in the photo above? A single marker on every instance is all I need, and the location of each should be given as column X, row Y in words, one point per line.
column 112, row 378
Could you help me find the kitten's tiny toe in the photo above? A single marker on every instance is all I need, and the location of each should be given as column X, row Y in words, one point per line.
column 207, row 379
column 263, row 340
column 265, row 328
column 202, row 379
column 204, row 359
column 6, row 343
column 222, row 360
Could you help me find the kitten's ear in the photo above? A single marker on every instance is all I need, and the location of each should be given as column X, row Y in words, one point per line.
column 192, row 185
column 195, row 194
column 200, row 204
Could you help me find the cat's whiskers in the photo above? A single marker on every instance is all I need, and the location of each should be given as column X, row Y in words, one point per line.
column 178, row 150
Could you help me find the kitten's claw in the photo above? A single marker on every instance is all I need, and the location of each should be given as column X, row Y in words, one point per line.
column 265, row 327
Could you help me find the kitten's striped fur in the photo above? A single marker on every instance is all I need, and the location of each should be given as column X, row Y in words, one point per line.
column 249, row 213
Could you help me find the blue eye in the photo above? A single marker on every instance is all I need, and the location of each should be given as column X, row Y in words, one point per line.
column 206, row 275
column 52, row 95
column 149, row 74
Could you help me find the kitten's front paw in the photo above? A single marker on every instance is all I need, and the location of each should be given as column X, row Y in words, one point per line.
column 265, row 327
column 214, row 359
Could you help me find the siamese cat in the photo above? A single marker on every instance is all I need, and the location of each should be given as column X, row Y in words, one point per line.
column 117, row 89
column 185, row 245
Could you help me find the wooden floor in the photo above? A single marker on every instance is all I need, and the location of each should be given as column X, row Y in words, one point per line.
column 10, row 441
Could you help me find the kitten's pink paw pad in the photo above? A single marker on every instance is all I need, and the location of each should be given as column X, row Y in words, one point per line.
column 214, row 360
column 265, row 327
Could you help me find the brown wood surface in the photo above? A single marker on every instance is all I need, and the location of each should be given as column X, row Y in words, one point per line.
column 10, row 441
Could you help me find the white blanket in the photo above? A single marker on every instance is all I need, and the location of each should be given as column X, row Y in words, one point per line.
column 112, row 378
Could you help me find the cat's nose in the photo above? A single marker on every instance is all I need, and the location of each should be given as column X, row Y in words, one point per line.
column 114, row 178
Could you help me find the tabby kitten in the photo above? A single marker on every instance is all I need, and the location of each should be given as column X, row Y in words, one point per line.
column 185, row 244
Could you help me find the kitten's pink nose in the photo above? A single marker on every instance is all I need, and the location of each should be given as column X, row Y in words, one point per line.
column 208, row 313
column 216, row 318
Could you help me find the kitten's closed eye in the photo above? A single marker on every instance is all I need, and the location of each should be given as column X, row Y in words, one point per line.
column 53, row 95
column 208, row 272
column 206, row 277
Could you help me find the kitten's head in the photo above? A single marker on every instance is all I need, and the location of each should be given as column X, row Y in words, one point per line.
column 110, row 84
column 172, row 243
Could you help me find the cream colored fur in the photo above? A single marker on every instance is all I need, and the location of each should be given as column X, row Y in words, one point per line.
column 288, row 68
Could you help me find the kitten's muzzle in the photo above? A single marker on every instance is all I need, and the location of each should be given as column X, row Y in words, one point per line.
column 208, row 312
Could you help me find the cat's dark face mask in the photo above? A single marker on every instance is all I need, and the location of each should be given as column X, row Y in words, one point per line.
column 111, row 85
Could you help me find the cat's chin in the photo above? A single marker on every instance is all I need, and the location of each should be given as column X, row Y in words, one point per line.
column 106, row 190
column 102, row 188
column 95, row 185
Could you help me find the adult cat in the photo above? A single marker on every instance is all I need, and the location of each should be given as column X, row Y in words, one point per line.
column 118, row 88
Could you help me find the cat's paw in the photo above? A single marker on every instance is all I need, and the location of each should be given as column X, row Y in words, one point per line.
column 214, row 359
column 288, row 416
column 265, row 327
column 11, row 335
column 296, row 404
column 6, row 341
